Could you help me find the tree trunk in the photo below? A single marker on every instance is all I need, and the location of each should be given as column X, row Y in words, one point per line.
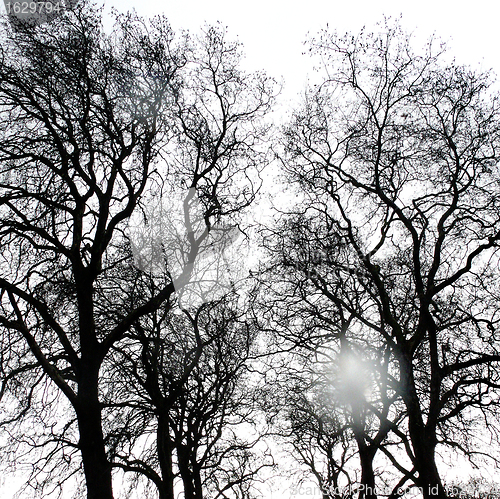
column 198, row 489
column 192, row 484
column 423, row 439
column 366, row 454
column 96, row 466
column 367, row 489
column 425, row 461
column 165, row 453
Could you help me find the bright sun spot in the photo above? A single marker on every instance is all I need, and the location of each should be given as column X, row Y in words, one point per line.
column 352, row 378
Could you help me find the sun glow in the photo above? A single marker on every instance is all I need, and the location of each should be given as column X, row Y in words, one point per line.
column 352, row 379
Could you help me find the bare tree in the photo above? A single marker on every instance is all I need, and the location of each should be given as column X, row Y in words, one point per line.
column 349, row 393
column 90, row 125
column 317, row 433
column 396, row 155
column 190, row 385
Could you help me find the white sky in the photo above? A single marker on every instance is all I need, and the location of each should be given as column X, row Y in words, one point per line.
column 272, row 32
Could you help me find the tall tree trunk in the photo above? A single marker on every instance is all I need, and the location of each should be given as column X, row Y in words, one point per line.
column 198, row 489
column 192, row 485
column 96, row 466
column 424, row 447
column 368, row 490
column 423, row 439
column 366, row 454
column 165, row 452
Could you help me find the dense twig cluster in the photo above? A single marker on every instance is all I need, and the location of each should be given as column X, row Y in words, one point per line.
column 365, row 344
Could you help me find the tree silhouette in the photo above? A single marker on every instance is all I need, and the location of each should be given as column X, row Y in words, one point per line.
column 189, row 385
column 93, row 125
column 344, row 392
column 396, row 154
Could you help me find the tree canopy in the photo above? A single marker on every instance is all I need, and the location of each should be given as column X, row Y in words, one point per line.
column 362, row 347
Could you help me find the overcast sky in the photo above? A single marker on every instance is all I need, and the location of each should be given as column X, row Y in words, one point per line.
column 273, row 32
